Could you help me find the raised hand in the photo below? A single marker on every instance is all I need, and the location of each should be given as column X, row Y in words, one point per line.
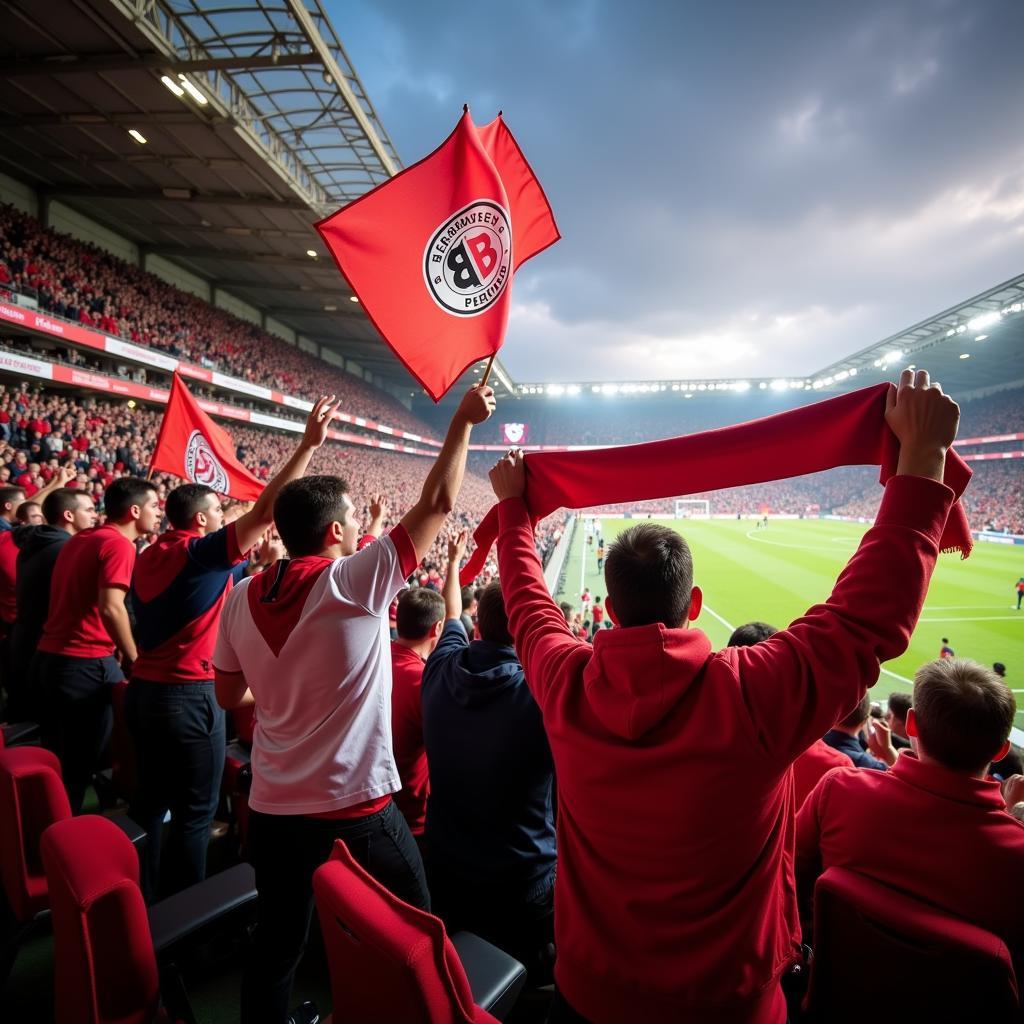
column 925, row 421
column 508, row 477
column 477, row 404
column 456, row 549
column 319, row 420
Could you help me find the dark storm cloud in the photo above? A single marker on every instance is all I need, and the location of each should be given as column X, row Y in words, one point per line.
column 741, row 188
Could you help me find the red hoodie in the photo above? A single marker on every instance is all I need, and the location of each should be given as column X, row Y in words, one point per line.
column 675, row 896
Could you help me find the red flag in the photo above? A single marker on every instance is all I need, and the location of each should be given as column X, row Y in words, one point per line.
column 193, row 447
column 431, row 252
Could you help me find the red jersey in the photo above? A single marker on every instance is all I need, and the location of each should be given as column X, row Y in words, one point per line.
column 814, row 762
column 407, row 736
column 178, row 591
column 90, row 561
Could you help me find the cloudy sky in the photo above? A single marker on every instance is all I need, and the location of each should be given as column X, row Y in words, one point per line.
column 742, row 188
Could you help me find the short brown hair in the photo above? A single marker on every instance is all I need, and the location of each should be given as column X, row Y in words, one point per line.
column 419, row 610
column 649, row 575
column 964, row 712
column 491, row 619
column 859, row 715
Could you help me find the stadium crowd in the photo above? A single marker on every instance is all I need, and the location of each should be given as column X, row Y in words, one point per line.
column 88, row 285
column 433, row 752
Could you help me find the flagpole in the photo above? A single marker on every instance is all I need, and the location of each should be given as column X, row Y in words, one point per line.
column 487, row 372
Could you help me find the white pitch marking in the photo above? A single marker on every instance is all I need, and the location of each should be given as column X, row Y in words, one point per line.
column 782, row 544
column 711, row 611
column 979, row 618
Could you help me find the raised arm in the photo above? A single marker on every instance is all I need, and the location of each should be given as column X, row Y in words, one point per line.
column 542, row 639
column 250, row 526
column 452, row 592
column 424, row 520
column 63, row 476
column 379, row 509
column 797, row 683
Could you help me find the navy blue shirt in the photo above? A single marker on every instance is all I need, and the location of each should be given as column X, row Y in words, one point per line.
column 489, row 813
column 850, row 746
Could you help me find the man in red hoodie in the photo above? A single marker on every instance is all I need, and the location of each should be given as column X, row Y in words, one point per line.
column 675, row 897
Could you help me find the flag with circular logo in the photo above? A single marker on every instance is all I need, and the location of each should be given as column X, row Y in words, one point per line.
column 431, row 253
column 195, row 448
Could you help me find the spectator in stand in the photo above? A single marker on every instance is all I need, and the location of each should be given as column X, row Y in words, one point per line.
column 668, row 908
column 490, row 822
column 887, row 827
column 819, row 757
column 178, row 590
column 74, row 667
column 469, row 607
column 322, row 763
column 66, row 512
column 30, row 513
column 418, row 622
column 896, row 716
column 845, row 735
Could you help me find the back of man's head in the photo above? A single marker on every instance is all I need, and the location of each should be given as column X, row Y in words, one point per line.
column 963, row 713
column 185, row 501
column 419, row 610
column 491, row 619
column 899, row 705
column 10, row 499
column 304, row 509
column 59, row 502
column 858, row 716
column 124, row 492
column 649, row 576
column 468, row 598
column 751, row 633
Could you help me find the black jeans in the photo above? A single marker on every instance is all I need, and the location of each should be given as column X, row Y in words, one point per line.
column 178, row 730
column 76, row 714
column 519, row 920
column 285, row 850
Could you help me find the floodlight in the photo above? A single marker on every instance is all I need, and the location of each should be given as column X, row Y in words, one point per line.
column 137, row 136
column 984, row 320
column 311, row 253
column 763, row 386
column 193, row 91
column 573, row 389
column 741, row 385
column 172, row 85
column 981, row 337
column 779, row 385
column 965, row 355
column 555, row 390
column 596, row 388
column 853, row 371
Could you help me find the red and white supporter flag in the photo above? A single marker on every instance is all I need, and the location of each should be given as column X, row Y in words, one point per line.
column 193, row 447
column 431, row 252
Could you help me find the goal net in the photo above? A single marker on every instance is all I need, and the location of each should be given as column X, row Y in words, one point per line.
column 693, row 508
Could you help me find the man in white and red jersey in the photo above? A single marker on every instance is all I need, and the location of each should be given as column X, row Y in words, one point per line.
column 75, row 666
column 307, row 641
column 178, row 589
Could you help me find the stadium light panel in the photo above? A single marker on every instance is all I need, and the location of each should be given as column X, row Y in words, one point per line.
column 330, row 309
column 965, row 355
column 554, row 390
column 763, row 386
column 983, row 321
column 311, row 253
column 675, row 387
column 193, row 91
column 702, row 387
column 172, row 85
column 689, row 394
column 951, row 332
column 778, row 385
column 853, row 371
column 741, row 385
column 596, row 389
column 981, row 337
column 353, row 298
column 610, row 389
column 573, row 389
column 137, row 136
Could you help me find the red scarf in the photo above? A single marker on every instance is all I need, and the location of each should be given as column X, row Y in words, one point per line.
column 846, row 431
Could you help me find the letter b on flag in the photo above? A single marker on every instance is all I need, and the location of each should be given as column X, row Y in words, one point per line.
column 463, row 275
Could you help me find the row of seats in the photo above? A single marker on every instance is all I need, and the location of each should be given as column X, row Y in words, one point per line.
column 115, row 958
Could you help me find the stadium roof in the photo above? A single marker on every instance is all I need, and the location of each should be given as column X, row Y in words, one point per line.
column 255, row 126
column 974, row 346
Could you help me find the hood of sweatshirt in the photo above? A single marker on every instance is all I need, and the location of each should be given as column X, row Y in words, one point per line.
column 638, row 675
column 32, row 539
column 482, row 671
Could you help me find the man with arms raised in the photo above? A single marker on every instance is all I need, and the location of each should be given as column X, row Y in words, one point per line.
column 674, row 898
column 74, row 667
column 178, row 588
column 307, row 641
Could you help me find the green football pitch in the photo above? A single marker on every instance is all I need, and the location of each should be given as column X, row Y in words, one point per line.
column 774, row 574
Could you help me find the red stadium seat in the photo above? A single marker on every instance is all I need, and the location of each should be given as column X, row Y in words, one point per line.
column 875, row 945
column 105, row 967
column 392, row 962
column 32, row 797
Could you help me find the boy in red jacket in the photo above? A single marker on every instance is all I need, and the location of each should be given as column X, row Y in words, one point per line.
column 675, row 897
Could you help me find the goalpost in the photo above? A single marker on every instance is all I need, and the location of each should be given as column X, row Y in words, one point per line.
column 693, row 508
